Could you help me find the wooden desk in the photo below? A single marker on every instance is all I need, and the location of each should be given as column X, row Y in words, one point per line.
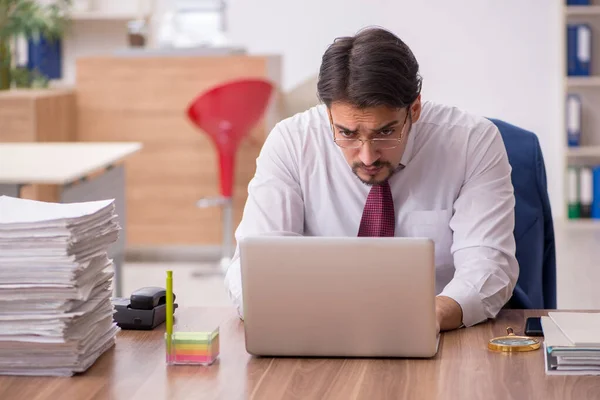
column 463, row 369
column 58, row 163
column 69, row 173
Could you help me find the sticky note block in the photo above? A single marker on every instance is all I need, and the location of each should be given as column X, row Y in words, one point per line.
column 200, row 348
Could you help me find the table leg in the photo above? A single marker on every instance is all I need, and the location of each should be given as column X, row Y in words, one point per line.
column 11, row 190
column 108, row 185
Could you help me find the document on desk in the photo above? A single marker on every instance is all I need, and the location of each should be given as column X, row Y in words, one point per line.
column 23, row 214
column 572, row 343
column 56, row 314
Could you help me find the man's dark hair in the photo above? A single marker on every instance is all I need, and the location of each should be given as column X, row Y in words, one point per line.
column 370, row 69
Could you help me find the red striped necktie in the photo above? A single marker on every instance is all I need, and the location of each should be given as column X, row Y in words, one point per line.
column 378, row 217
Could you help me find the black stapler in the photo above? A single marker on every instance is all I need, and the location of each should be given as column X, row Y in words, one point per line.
column 145, row 309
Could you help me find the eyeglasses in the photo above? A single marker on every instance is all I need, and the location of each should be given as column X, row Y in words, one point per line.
column 377, row 143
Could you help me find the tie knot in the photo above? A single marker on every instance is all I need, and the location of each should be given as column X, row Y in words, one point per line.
column 378, row 215
column 380, row 188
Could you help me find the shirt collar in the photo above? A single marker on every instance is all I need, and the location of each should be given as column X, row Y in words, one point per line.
column 410, row 144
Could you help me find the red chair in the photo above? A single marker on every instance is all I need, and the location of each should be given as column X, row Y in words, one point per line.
column 227, row 113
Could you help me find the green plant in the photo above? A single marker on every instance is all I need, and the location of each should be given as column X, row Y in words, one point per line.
column 4, row 65
column 21, row 77
column 30, row 19
column 38, row 80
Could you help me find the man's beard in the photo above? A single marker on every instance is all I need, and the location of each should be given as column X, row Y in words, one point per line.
column 377, row 164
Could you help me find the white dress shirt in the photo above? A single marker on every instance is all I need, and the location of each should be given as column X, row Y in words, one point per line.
column 455, row 188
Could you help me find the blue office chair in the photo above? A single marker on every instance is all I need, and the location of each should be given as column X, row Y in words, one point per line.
column 534, row 232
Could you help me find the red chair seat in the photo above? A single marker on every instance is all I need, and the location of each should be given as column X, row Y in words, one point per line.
column 227, row 113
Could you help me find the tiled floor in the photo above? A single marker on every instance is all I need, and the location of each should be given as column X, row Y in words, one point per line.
column 578, row 274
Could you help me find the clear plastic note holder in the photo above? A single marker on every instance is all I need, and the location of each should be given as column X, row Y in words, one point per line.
column 192, row 343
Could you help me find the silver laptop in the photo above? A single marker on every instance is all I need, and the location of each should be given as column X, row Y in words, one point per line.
column 339, row 297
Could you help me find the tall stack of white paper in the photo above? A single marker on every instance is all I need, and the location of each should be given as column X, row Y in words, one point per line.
column 56, row 315
column 572, row 343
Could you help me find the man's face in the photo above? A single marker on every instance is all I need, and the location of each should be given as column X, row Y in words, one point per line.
column 373, row 161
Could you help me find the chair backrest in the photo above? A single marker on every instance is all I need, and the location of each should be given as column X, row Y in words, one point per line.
column 227, row 113
column 534, row 231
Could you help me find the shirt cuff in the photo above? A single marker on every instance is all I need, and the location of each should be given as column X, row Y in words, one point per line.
column 233, row 284
column 469, row 301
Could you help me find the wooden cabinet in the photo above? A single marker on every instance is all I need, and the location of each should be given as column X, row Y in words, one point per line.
column 37, row 115
column 46, row 115
column 144, row 99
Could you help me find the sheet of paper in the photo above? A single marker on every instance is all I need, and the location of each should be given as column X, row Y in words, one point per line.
column 581, row 328
column 56, row 314
column 22, row 211
column 553, row 336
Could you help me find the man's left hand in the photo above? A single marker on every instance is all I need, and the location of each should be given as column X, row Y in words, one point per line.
column 448, row 313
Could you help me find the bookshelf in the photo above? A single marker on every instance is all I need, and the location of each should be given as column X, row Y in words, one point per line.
column 106, row 15
column 578, row 228
column 99, row 27
column 577, row 81
column 582, row 10
column 583, row 152
column 586, row 156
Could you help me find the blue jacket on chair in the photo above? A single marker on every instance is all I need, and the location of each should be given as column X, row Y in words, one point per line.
column 534, row 231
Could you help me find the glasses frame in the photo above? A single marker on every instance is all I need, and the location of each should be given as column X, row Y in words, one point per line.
column 373, row 141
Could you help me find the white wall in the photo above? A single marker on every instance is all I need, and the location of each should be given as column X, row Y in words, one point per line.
column 498, row 58
column 495, row 58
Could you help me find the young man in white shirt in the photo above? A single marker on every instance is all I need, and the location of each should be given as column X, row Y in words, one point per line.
column 375, row 160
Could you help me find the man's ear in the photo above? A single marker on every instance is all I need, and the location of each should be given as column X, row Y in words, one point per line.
column 415, row 109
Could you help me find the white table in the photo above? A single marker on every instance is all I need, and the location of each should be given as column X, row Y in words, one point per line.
column 69, row 166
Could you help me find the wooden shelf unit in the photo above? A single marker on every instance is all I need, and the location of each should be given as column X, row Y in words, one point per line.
column 582, row 10
column 588, row 89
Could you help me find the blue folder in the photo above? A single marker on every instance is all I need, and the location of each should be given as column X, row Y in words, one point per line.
column 578, row 2
column 579, row 50
column 596, row 196
column 45, row 56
